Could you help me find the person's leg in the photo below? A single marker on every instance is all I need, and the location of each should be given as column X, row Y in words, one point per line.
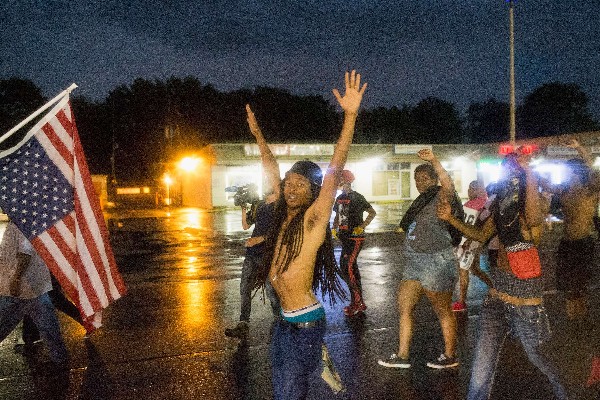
column 11, row 312
column 354, row 273
column 61, row 303
column 30, row 331
column 347, row 246
column 295, row 356
column 279, row 346
column 463, row 279
column 572, row 259
column 493, row 330
column 306, row 354
column 246, row 289
column 442, row 305
column 532, row 327
column 241, row 329
column 439, row 280
column 409, row 293
column 41, row 311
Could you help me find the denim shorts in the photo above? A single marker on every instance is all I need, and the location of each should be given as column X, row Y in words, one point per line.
column 437, row 272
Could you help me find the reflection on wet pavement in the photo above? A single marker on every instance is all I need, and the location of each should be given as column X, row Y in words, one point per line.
column 165, row 338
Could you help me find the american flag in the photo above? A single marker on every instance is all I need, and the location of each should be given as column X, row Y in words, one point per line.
column 47, row 191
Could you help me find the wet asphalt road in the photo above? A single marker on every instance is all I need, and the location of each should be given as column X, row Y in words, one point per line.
column 164, row 339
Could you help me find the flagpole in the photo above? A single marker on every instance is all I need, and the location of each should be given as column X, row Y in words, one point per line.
column 512, row 106
column 38, row 112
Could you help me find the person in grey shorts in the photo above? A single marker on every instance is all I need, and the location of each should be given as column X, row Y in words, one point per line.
column 431, row 266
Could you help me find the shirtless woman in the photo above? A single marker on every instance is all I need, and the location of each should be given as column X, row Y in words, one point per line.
column 299, row 255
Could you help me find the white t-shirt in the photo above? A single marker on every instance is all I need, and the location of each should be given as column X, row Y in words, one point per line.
column 36, row 278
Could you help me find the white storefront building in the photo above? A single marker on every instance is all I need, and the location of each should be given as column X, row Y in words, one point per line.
column 384, row 172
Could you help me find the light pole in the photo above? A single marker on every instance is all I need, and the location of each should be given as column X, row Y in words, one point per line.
column 168, row 181
column 512, row 107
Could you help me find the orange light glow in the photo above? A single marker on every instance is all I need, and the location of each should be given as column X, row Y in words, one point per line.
column 189, row 164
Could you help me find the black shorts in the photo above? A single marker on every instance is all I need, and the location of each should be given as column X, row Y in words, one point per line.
column 574, row 259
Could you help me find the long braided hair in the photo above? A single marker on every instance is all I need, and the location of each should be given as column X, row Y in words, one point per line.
column 326, row 271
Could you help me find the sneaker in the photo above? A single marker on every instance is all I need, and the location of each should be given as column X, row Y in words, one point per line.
column 394, row 361
column 240, row 331
column 459, row 306
column 443, row 362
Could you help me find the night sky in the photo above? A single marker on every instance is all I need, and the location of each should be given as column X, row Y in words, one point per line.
column 406, row 49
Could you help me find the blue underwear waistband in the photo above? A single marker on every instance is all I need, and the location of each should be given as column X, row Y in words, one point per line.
column 309, row 313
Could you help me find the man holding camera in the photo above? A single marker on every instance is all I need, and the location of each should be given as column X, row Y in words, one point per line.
column 260, row 215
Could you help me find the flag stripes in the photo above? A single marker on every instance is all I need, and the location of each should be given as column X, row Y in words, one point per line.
column 76, row 248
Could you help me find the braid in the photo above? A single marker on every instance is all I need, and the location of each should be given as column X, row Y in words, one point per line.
column 326, row 270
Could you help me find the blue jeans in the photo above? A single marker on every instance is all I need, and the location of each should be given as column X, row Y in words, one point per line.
column 529, row 324
column 295, row 355
column 250, row 263
column 41, row 310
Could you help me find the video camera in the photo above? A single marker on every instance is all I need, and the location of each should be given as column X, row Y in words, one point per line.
column 247, row 194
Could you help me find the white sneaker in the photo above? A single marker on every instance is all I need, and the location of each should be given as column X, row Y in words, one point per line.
column 394, row 361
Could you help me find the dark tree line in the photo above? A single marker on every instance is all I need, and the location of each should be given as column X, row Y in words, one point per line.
column 145, row 124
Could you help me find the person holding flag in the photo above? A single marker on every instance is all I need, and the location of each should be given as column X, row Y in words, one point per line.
column 24, row 286
column 47, row 191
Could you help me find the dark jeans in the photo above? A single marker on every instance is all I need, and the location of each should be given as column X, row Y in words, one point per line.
column 41, row 312
column 529, row 324
column 295, row 356
column 250, row 262
column 351, row 247
column 61, row 303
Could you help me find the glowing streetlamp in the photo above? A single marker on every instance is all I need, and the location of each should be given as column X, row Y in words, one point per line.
column 168, row 181
column 189, row 164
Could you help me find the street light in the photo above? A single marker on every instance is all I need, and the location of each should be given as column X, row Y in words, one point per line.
column 189, row 164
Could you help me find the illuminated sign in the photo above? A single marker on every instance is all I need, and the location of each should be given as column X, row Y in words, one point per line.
column 560, row 151
column 505, row 149
column 527, row 149
column 133, row 190
column 292, row 149
column 410, row 148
